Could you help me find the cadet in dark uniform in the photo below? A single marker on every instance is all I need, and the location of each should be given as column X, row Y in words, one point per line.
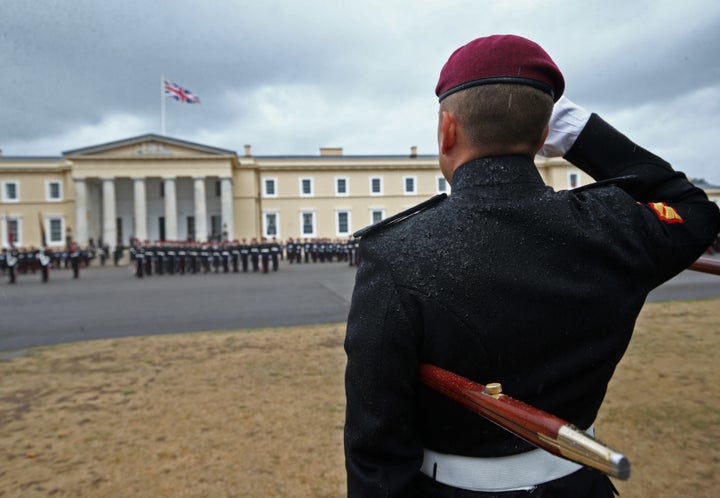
column 290, row 249
column 507, row 281
column 264, row 255
column 75, row 259
column 12, row 263
column 44, row 257
column 137, row 257
column 235, row 256
column 244, row 254
column 255, row 255
column 275, row 253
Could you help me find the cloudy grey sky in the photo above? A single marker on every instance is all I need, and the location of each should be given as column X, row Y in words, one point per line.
column 290, row 76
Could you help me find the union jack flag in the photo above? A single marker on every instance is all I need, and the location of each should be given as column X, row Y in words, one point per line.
column 179, row 93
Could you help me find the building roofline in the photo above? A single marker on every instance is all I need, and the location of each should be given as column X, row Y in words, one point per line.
column 143, row 138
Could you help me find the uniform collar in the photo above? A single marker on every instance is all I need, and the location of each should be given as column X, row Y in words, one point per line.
column 496, row 170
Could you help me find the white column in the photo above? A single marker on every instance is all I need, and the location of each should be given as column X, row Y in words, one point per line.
column 171, row 226
column 81, row 212
column 109, row 229
column 200, row 210
column 140, row 208
column 226, row 207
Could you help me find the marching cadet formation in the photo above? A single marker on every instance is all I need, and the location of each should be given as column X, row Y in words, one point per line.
column 16, row 262
column 168, row 257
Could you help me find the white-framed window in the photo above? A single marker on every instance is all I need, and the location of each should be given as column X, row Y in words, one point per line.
column 441, row 185
column 269, row 187
column 307, row 223
column 342, row 186
column 55, row 230
column 271, row 224
column 376, row 215
column 410, row 185
column 573, row 179
column 306, row 187
column 12, row 231
column 11, row 191
column 376, row 185
column 342, row 222
column 53, row 190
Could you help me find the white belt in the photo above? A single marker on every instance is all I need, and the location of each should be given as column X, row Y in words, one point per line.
column 523, row 471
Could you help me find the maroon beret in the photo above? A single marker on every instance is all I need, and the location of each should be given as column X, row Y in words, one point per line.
column 500, row 59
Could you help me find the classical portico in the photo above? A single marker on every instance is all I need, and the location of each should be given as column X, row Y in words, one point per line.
column 152, row 188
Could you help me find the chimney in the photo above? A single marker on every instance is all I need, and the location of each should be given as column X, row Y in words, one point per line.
column 331, row 151
column 413, row 151
column 247, row 151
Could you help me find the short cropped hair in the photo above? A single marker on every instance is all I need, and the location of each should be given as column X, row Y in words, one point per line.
column 501, row 116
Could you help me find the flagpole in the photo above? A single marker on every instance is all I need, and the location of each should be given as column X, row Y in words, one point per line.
column 162, row 105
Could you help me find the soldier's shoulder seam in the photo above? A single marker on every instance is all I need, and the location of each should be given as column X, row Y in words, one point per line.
column 615, row 182
column 403, row 215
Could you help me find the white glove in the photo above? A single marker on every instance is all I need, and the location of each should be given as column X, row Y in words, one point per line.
column 566, row 123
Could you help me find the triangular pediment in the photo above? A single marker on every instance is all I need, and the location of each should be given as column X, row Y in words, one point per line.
column 147, row 146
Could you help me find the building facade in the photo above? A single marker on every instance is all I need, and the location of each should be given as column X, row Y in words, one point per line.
column 154, row 187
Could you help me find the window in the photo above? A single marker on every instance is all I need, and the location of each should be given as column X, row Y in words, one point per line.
column 343, row 223
column 118, row 231
column 218, row 188
column 376, row 215
column 270, row 225
column 306, row 187
column 341, row 186
column 162, row 189
column 161, row 227
column 55, row 230
column 10, row 191
column 573, row 180
column 216, row 227
column 13, row 231
column 409, row 185
column 442, row 184
column 270, row 187
column 376, row 185
column 191, row 228
column 53, row 190
column 307, row 223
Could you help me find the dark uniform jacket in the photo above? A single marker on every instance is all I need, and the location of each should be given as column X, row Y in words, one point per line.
column 508, row 281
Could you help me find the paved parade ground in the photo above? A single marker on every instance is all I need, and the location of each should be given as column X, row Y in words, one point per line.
column 108, row 302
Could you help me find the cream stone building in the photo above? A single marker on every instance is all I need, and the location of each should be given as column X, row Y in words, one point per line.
column 155, row 187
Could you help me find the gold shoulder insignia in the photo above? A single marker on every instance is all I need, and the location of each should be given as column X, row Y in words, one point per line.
column 401, row 215
column 665, row 212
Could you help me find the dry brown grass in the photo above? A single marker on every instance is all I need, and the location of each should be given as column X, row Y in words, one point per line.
column 259, row 413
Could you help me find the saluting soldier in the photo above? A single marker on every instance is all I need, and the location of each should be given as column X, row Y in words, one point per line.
column 451, row 283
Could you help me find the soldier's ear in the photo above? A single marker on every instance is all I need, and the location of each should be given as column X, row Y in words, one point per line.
column 447, row 133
